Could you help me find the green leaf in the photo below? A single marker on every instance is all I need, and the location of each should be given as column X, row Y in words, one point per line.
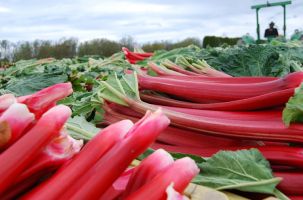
column 118, row 90
column 33, row 83
column 79, row 128
column 245, row 170
column 293, row 111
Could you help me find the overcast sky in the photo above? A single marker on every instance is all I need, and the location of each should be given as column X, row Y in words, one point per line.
column 144, row 20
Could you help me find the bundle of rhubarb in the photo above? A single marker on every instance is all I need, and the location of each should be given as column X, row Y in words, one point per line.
column 213, row 113
column 134, row 57
column 38, row 156
column 34, row 142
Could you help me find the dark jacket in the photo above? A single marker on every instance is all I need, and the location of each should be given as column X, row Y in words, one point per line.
column 271, row 32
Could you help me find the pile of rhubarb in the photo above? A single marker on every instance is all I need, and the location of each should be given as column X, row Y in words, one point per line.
column 39, row 160
column 189, row 125
column 211, row 111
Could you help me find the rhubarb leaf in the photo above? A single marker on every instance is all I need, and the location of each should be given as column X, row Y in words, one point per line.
column 244, row 170
column 33, row 83
column 293, row 111
column 117, row 89
column 79, row 128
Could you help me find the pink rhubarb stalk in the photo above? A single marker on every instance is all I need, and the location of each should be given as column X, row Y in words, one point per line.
column 204, row 92
column 22, row 153
column 291, row 183
column 18, row 118
column 269, row 100
column 172, row 135
column 116, row 190
column 102, row 175
column 57, row 153
column 147, row 170
column 180, row 173
column 172, row 194
column 43, row 100
column 89, row 155
column 60, row 150
column 225, row 80
column 5, row 101
column 278, row 155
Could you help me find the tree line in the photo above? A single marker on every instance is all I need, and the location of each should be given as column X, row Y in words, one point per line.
column 71, row 47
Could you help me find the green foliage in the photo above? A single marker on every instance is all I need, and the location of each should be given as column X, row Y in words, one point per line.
column 32, row 83
column 79, row 128
column 102, row 47
column 167, row 45
column 255, row 60
column 244, row 170
column 23, row 51
column 64, row 48
column 151, row 47
column 214, row 41
column 293, row 111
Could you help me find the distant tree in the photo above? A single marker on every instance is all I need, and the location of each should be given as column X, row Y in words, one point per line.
column 186, row 42
column 150, row 47
column 23, row 51
column 70, row 47
column 128, row 42
column 43, row 49
column 65, row 48
column 102, row 47
column 6, row 48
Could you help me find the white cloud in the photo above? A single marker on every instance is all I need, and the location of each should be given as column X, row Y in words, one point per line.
column 146, row 20
column 4, row 9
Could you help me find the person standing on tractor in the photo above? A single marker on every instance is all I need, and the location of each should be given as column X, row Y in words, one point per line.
column 271, row 32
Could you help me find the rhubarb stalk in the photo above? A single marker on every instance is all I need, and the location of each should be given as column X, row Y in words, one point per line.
column 88, row 156
column 101, row 176
column 17, row 158
column 180, row 173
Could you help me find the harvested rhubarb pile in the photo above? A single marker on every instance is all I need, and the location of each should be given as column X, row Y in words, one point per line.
column 39, row 160
column 179, row 124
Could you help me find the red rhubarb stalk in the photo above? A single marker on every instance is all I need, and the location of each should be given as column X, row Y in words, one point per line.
column 17, row 158
column 200, row 92
column 178, row 136
column 102, row 175
column 268, row 115
column 43, row 100
column 271, row 130
column 146, row 54
column 118, row 186
column 18, row 118
column 19, row 189
column 180, row 173
column 147, row 170
column 291, row 183
column 60, row 150
column 225, row 80
column 269, row 100
column 89, row 155
column 280, row 155
column 57, row 153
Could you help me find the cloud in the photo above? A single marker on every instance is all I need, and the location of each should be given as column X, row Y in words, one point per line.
column 145, row 20
column 4, row 9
